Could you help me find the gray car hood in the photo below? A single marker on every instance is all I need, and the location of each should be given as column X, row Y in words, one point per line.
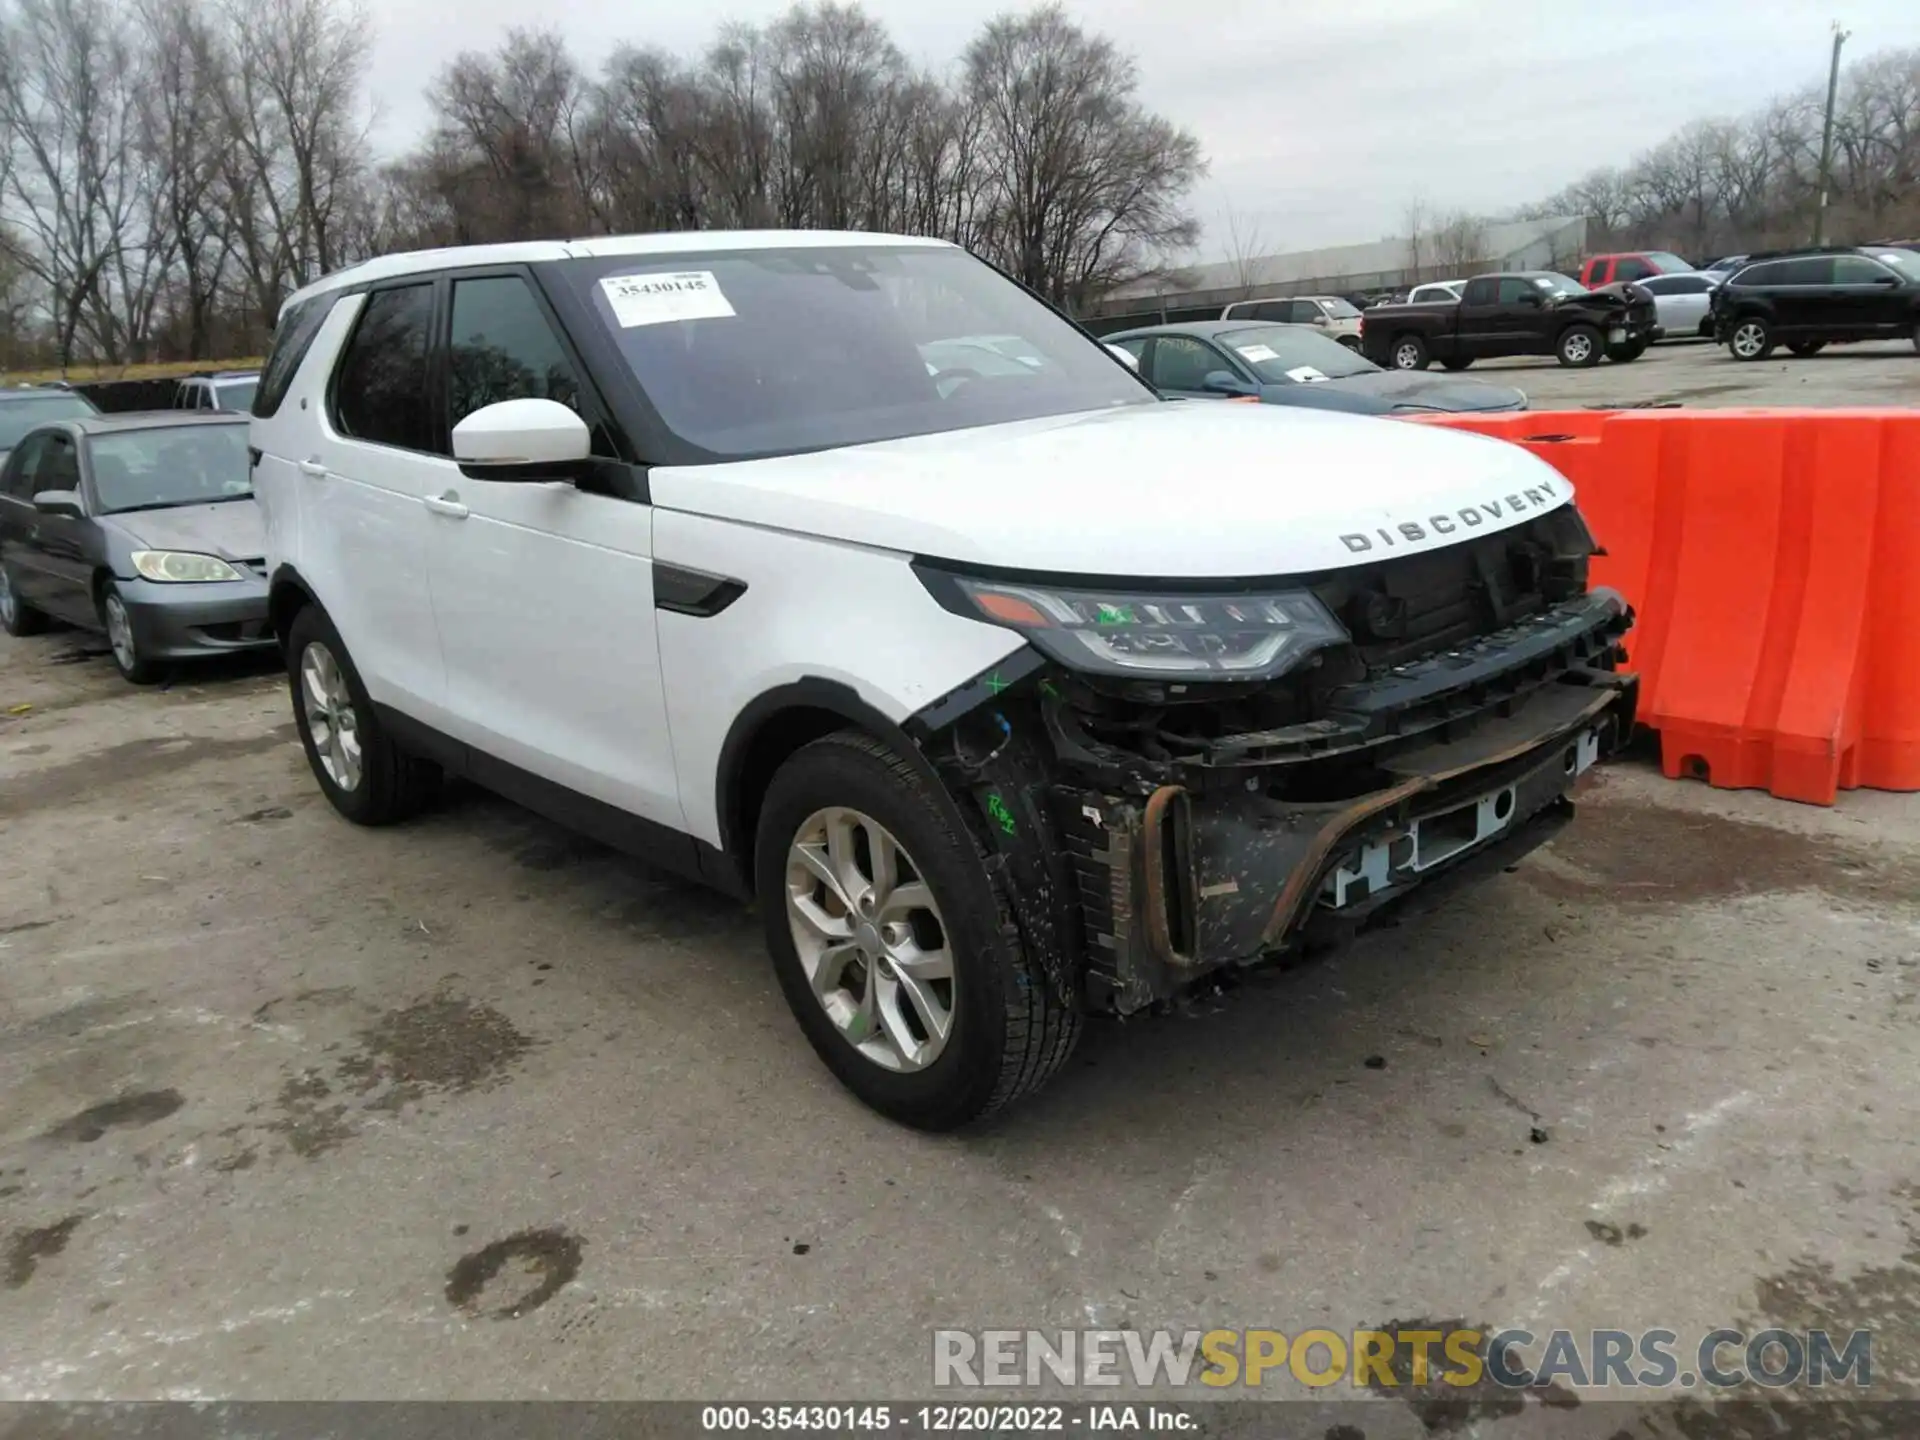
column 231, row 529
column 1437, row 392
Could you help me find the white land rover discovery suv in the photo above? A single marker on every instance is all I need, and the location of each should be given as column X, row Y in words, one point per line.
column 840, row 572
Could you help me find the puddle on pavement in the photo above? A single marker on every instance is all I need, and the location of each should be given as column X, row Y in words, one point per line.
column 514, row 1276
column 126, row 1112
column 27, row 1248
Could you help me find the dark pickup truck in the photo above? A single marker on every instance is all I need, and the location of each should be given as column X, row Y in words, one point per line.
column 1529, row 312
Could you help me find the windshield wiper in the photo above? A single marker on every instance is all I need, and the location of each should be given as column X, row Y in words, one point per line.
column 179, row 504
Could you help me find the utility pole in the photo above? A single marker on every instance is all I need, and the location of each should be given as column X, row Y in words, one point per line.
column 1826, row 136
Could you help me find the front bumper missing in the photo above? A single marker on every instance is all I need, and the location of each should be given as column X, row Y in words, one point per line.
column 1185, row 884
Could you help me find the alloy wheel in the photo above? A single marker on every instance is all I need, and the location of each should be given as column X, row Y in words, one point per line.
column 331, row 721
column 120, row 633
column 1578, row 348
column 1748, row 340
column 1406, row 357
column 9, row 602
column 870, row 939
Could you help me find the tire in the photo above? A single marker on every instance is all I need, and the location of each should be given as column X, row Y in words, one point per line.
column 1409, row 352
column 1627, row 354
column 1806, row 349
column 1007, row 1030
column 388, row 784
column 1578, row 347
column 16, row 616
column 1457, row 362
column 1751, row 338
column 122, row 640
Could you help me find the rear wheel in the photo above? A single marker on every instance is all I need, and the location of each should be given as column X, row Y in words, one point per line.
column 894, row 944
column 1410, row 353
column 1752, row 339
column 1805, row 348
column 1578, row 347
column 362, row 772
column 1457, row 362
column 16, row 616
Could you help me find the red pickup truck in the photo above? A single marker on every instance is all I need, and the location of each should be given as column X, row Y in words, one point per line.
column 1635, row 265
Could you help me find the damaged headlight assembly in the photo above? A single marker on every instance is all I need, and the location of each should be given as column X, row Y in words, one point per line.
column 1200, row 634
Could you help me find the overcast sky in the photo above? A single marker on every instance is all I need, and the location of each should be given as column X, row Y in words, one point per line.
column 1321, row 117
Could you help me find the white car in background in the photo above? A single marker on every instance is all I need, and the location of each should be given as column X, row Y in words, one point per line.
column 1333, row 317
column 1436, row 292
column 1683, row 303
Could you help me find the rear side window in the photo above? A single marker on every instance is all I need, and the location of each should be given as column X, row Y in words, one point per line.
column 380, row 393
column 290, row 342
column 26, row 463
column 1813, row 270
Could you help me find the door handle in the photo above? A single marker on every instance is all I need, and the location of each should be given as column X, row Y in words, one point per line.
column 313, row 470
column 448, row 505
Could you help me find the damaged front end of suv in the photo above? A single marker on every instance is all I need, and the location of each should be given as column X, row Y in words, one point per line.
column 1184, row 781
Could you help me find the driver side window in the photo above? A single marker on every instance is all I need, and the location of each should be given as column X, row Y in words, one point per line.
column 1182, row 363
column 59, row 467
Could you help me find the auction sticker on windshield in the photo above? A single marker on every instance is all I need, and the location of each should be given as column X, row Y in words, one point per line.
column 1306, row 374
column 1257, row 352
column 657, row 299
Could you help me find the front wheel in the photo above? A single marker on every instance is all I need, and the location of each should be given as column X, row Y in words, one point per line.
column 1752, row 339
column 1578, row 347
column 894, row 944
column 16, row 616
column 1410, row 353
column 362, row 772
column 1805, row 349
column 128, row 658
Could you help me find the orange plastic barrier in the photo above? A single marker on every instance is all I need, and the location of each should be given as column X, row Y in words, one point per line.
column 1773, row 560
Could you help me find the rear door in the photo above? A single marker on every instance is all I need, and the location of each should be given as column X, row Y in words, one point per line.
column 19, row 521
column 544, row 590
column 1480, row 325
column 1806, row 302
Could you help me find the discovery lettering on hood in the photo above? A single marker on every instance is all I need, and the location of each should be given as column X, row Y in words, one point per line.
column 1542, row 496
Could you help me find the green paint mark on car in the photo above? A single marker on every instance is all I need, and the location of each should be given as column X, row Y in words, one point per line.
column 1003, row 817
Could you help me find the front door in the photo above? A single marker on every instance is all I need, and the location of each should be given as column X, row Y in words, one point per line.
column 1869, row 302
column 1805, row 300
column 544, row 590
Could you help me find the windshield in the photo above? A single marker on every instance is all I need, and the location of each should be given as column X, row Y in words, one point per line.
column 19, row 416
column 1340, row 309
column 1907, row 262
column 1292, row 355
column 1559, row 285
column 769, row 352
column 235, row 394
column 170, row 465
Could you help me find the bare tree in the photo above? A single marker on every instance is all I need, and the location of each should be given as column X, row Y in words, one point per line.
column 1458, row 241
column 183, row 139
column 1416, row 220
column 1244, row 251
column 67, row 108
column 1086, row 186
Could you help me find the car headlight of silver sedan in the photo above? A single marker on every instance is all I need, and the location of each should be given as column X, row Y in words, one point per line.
column 183, row 567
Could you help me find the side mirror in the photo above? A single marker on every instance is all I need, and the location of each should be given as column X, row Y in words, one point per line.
column 1887, row 280
column 1221, row 382
column 521, row 440
column 59, row 502
column 1125, row 357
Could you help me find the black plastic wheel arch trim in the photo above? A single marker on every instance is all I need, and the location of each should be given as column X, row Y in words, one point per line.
column 988, row 685
column 683, row 590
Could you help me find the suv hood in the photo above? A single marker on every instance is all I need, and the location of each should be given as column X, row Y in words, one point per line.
column 231, row 529
column 1152, row 491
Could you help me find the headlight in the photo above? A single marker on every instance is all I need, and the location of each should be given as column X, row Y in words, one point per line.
column 181, row 567
column 1115, row 632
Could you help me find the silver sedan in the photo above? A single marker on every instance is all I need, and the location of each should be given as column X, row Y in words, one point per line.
column 1681, row 302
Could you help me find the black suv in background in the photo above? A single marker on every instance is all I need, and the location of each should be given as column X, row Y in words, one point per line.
column 1807, row 299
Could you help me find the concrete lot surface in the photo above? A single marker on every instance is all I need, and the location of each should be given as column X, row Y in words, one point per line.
column 1697, row 374
column 474, row 1108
